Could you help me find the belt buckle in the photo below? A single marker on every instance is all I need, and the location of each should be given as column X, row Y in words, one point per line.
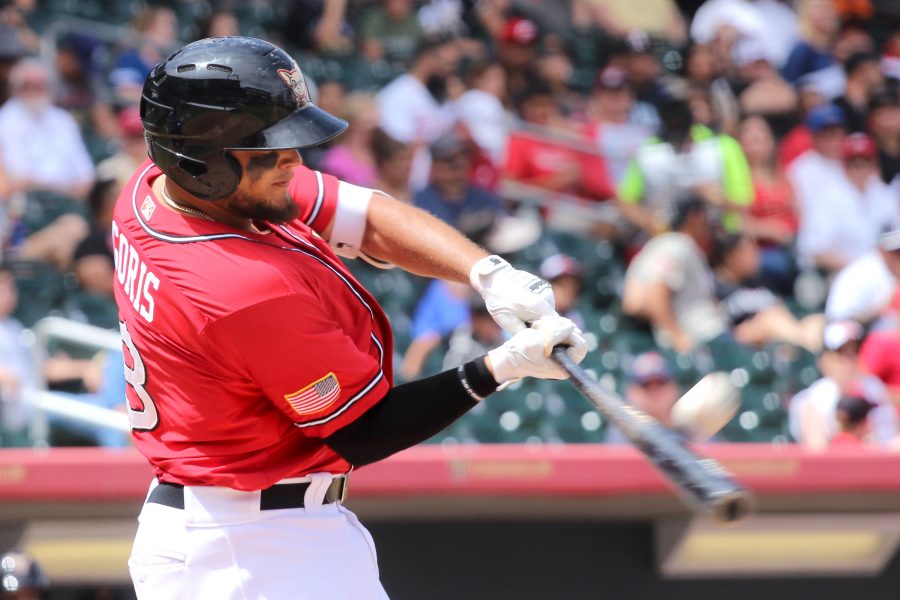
column 340, row 494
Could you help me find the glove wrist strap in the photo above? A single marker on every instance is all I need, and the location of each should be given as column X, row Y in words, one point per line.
column 476, row 379
column 483, row 268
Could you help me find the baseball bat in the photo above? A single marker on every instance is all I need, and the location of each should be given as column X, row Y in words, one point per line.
column 705, row 484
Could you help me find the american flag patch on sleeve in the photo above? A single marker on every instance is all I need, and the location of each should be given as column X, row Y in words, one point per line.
column 316, row 397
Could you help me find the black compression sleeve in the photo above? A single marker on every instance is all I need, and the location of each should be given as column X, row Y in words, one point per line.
column 411, row 413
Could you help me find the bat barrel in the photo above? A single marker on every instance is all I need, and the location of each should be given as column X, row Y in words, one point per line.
column 703, row 482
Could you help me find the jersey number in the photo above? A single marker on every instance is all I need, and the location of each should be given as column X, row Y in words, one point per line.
column 136, row 376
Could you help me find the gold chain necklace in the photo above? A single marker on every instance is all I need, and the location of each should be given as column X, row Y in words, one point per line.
column 187, row 209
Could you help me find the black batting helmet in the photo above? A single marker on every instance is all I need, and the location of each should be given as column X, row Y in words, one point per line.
column 219, row 94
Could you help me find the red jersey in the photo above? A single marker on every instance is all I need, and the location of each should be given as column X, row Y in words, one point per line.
column 242, row 350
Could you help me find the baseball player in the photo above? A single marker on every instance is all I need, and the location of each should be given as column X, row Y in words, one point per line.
column 259, row 371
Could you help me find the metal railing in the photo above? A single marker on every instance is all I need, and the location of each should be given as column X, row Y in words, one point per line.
column 45, row 402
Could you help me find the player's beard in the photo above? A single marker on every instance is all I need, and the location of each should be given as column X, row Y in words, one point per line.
column 280, row 211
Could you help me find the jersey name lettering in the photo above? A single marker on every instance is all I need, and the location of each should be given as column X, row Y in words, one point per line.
column 137, row 281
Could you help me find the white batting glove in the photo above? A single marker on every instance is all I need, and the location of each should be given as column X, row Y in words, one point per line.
column 527, row 353
column 513, row 297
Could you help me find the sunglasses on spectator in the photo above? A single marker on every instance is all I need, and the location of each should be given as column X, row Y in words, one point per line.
column 654, row 382
column 36, row 85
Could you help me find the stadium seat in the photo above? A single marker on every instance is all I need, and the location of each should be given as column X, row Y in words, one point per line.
column 41, row 289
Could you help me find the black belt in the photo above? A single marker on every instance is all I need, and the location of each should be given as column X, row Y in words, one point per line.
column 283, row 495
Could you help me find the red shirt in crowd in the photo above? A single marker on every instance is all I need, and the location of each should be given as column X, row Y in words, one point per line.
column 242, row 350
column 775, row 201
column 880, row 356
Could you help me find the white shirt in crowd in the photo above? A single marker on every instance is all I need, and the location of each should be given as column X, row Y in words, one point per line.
column 676, row 260
column 823, row 396
column 835, row 216
column 410, row 114
column 861, row 290
column 486, row 119
column 765, row 23
column 44, row 147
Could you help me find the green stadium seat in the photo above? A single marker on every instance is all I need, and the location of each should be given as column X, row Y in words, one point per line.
column 41, row 289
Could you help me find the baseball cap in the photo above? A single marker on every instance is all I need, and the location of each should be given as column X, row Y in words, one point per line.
column 611, row 78
column 649, row 366
column 519, row 31
column 130, row 121
column 840, row 333
column 559, row 265
column 858, row 145
column 889, row 240
column 447, row 146
column 824, row 116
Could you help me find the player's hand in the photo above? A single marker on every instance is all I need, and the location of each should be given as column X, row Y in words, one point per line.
column 527, row 353
column 513, row 297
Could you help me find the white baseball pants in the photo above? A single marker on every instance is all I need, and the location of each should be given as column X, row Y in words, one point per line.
column 221, row 546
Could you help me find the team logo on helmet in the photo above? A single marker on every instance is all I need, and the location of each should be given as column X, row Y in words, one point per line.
column 293, row 78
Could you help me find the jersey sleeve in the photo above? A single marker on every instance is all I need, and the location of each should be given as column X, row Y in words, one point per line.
column 320, row 377
column 316, row 194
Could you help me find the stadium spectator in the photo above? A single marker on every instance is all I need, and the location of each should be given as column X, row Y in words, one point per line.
column 473, row 338
column 757, row 315
column 411, row 108
column 480, row 109
column 328, row 95
column 449, row 195
column 566, row 278
column 11, row 51
column 443, row 307
column 866, row 288
column 321, row 26
column 852, row 416
column 156, row 33
column 14, row 17
column 846, row 213
column 670, row 285
column 390, row 31
column 651, row 389
column 101, row 377
column 351, row 158
column 884, row 127
column 18, row 377
column 40, row 144
column 638, row 58
column 812, row 415
column 219, row 23
column 78, row 92
column 545, row 154
column 759, row 87
column 817, row 24
column 93, row 259
column 880, row 356
column 611, row 126
column 686, row 159
column 517, row 45
column 132, row 150
column 771, row 219
column 721, row 23
column 393, row 162
column 864, row 79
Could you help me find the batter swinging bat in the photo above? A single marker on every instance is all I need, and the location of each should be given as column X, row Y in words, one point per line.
column 703, row 482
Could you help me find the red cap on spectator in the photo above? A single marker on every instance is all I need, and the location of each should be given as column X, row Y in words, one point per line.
column 130, row 121
column 519, row 31
column 859, row 145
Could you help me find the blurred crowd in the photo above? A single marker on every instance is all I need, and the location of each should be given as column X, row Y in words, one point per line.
column 715, row 178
